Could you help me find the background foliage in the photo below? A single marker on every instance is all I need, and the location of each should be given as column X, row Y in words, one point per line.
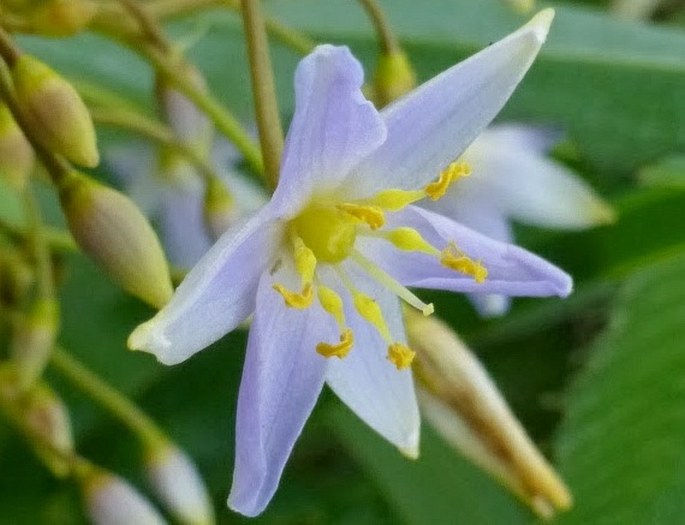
column 598, row 380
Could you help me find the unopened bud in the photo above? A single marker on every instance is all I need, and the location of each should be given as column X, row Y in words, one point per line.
column 190, row 125
column 394, row 77
column 58, row 117
column 33, row 340
column 113, row 232
column 60, row 17
column 16, row 154
column 47, row 418
column 219, row 208
column 178, row 485
column 111, row 500
column 462, row 403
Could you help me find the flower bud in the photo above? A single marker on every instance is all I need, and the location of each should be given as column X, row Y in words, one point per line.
column 190, row 125
column 111, row 500
column 219, row 208
column 16, row 154
column 177, row 483
column 58, row 117
column 113, row 232
column 522, row 6
column 394, row 77
column 33, row 340
column 47, row 417
column 60, row 17
column 461, row 402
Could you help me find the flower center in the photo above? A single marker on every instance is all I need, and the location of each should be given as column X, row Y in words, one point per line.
column 327, row 231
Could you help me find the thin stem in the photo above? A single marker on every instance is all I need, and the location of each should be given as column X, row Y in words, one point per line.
column 108, row 397
column 266, row 104
column 57, row 239
column 224, row 121
column 9, row 52
column 148, row 24
column 39, row 247
column 386, row 37
column 155, row 131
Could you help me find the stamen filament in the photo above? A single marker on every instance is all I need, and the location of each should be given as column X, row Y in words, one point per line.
column 391, row 284
column 332, row 303
column 395, row 199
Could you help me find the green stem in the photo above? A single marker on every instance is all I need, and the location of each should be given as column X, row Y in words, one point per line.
column 148, row 24
column 9, row 52
column 386, row 37
column 266, row 104
column 108, row 397
column 39, row 247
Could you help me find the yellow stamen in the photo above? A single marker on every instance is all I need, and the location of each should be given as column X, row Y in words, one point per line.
column 401, row 355
column 300, row 300
column 435, row 190
column 371, row 215
column 305, row 260
column 408, row 239
column 395, row 200
column 371, row 312
column 456, row 260
column 339, row 350
column 332, row 303
column 392, row 284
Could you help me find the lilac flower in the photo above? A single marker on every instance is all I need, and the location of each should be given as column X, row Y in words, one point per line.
column 513, row 180
column 323, row 264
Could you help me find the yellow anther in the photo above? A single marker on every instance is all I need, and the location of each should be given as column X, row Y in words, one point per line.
column 409, row 239
column 458, row 261
column 395, row 200
column 305, row 260
column 332, row 303
column 371, row 312
column 436, row 190
column 296, row 300
column 401, row 355
column 339, row 350
column 371, row 215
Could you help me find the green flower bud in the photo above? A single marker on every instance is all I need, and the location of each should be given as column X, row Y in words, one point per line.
column 60, row 17
column 394, row 77
column 219, row 208
column 33, row 340
column 16, row 154
column 58, row 117
column 47, row 417
column 113, row 232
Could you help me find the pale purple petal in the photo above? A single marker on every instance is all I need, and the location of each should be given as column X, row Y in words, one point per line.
column 282, row 378
column 333, row 129
column 133, row 167
column 511, row 270
column 434, row 124
column 366, row 381
column 534, row 139
column 217, row 294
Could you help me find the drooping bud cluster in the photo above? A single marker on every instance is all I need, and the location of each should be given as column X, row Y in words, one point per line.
column 54, row 17
column 53, row 109
column 113, row 232
column 16, row 155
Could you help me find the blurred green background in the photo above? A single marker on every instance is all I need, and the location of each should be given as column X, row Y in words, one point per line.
column 598, row 379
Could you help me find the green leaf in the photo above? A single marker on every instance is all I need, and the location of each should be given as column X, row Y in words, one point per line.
column 621, row 445
column 668, row 172
column 439, row 488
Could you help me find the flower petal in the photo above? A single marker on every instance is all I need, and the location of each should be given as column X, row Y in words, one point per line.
column 366, row 381
column 217, row 294
column 333, row 129
column 528, row 187
column 512, row 270
column 282, row 378
column 434, row 124
column 133, row 166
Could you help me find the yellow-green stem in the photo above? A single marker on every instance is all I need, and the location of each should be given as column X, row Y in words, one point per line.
column 263, row 89
column 386, row 37
column 9, row 52
column 108, row 397
column 39, row 247
column 148, row 24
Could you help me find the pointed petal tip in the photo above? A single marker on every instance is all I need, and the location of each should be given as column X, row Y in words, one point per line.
column 541, row 23
column 602, row 213
column 412, row 453
column 146, row 338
